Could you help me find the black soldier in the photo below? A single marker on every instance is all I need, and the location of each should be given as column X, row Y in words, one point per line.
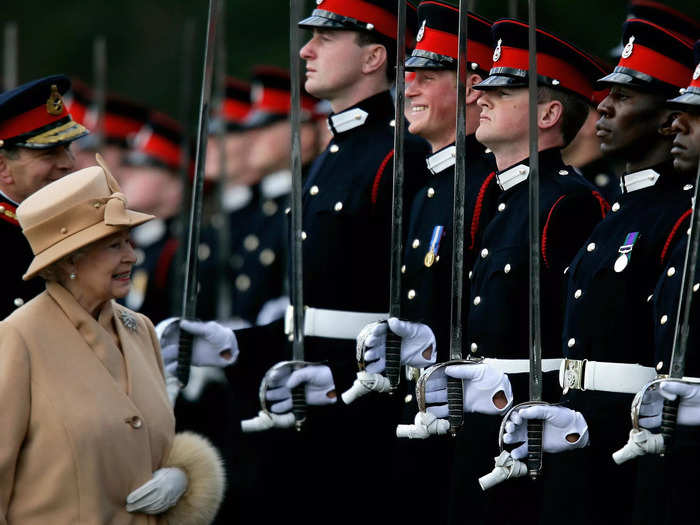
column 36, row 131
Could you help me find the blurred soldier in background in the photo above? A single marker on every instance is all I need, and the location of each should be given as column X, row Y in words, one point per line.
column 36, row 131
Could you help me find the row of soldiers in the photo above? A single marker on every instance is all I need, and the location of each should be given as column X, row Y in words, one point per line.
column 611, row 262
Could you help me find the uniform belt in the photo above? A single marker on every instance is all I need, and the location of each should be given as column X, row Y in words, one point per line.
column 621, row 378
column 333, row 324
column 520, row 366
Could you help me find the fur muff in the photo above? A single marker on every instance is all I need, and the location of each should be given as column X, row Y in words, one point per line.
column 206, row 480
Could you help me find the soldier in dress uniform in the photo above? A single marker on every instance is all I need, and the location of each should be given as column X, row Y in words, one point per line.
column 666, row 489
column 347, row 213
column 607, row 331
column 36, row 131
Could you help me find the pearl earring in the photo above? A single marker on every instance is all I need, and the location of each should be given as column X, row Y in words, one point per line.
column 72, row 276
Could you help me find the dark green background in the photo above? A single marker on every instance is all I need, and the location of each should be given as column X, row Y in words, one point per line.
column 145, row 37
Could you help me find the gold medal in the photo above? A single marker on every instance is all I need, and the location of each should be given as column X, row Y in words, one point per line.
column 429, row 259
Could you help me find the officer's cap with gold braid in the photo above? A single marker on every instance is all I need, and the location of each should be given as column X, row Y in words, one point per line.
column 370, row 16
column 653, row 59
column 34, row 116
column 560, row 64
column 437, row 43
column 689, row 99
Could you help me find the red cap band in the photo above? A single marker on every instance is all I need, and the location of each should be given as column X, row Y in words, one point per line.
column 548, row 66
column 118, row 126
column 235, row 110
column 654, row 64
column 162, row 149
column 29, row 121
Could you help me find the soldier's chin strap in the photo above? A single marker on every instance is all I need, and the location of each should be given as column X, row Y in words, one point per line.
column 506, row 467
column 640, row 442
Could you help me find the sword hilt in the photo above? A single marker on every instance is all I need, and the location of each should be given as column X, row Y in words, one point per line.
column 455, row 404
column 184, row 357
column 299, row 405
column 669, row 415
column 393, row 360
column 534, row 448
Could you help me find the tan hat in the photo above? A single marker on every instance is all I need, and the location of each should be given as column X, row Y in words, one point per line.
column 72, row 212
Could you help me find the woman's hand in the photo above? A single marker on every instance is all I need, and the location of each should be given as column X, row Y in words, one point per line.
column 160, row 493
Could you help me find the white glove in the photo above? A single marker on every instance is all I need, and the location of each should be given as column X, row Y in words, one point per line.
column 272, row 310
column 650, row 408
column 425, row 425
column 319, row 388
column 480, row 383
column 213, row 345
column 264, row 421
column 415, row 339
column 160, row 493
column 640, row 442
column 689, row 406
column 559, row 422
column 505, row 468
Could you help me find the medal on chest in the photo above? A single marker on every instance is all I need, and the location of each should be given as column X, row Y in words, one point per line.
column 435, row 239
column 625, row 251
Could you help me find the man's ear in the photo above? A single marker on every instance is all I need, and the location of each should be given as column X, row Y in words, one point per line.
column 5, row 172
column 473, row 94
column 550, row 115
column 667, row 118
column 375, row 57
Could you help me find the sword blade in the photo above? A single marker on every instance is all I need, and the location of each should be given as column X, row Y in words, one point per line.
column 9, row 67
column 189, row 296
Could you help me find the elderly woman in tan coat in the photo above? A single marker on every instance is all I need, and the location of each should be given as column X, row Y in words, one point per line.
column 87, row 434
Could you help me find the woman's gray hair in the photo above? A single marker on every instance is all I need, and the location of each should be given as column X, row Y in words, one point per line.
column 55, row 273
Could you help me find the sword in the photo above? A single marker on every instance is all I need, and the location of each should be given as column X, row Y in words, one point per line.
column 393, row 341
column 297, row 273
column 454, row 386
column 99, row 57
column 9, row 67
column 682, row 328
column 189, row 295
column 534, row 427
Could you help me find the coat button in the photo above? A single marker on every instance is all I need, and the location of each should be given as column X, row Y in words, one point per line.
column 403, row 269
column 64, row 230
column 615, row 206
column 411, row 294
column 651, row 296
column 267, row 257
column 477, row 300
column 415, row 243
column 474, row 347
column 203, row 252
column 688, row 187
column 431, row 193
column 242, row 282
column 664, row 319
column 392, row 123
column 338, row 206
column 334, row 148
column 696, row 287
column 566, row 270
column 313, row 190
column 659, row 366
column 671, row 271
column 484, row 253
column 18, row 302
column 571, row 342
column 590, row 247
column 470, row 274
column 507, row 268
column 134, row 421
column 303, row 236
column 578, row 293
column 502, row 206
column 269, row 208
column 563, row 172
column 251, row 242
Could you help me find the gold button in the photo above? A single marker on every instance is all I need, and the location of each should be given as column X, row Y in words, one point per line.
column 664, row 319
column 403, row 269
column 411, row 294
column 64, row 231
column 470, row 274
column 303, row 236
column 590, row 247
column 671, row 271
column 251, row 242
column 563, row 172
column 571, row 342
column 338, row 206
column 134, row 421
column 577, row 294
column 269, row 208
column 474, row 347
column 416, row 243
column 203, row 252
column 392, row 123
column 477, row 300
column 287, row 211
column 566, row 270
column 659, row 366
column 688, row 187
column 431, row 193
column 507, row 268
column 18, row 302
column 334, row 148
column 484, row 253
column 615, row 206
column 696, row 287
column 242, row 282
column 502, row 206
column 408, row 398
column 97, row 205
column 313, row 190
column 651, row 296
column 267, row 257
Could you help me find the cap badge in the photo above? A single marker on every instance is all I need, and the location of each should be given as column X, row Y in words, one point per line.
column 319, row 2
column 497, row 51
column 696, row 73
column 54, row 104
column 421, row 32
column 629, row 47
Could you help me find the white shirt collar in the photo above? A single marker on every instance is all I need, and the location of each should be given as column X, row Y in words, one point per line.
column 276, row 184
column 347, row 120
column 442, row 160
column 512, row 176
column 149, row 232
column 638, row 180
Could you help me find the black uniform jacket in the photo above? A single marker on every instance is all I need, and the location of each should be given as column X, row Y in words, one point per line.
column 427, row 262
column 18, row 256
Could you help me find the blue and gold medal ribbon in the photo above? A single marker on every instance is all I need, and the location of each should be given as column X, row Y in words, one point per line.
column 434, row 245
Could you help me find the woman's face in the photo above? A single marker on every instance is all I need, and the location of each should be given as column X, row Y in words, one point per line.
column 103, row 272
